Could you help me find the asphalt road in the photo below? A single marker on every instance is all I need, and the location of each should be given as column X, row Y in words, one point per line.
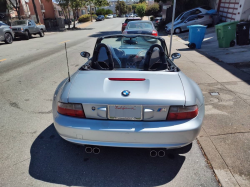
column 31, row 151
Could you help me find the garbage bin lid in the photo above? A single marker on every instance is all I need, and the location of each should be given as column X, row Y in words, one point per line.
column 197, row 26
column 244, row 23
column 227, row 23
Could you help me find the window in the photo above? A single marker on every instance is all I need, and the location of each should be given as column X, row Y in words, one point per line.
column 139, row 25
column 83, row 12
column 191, row 18
column 200, row 17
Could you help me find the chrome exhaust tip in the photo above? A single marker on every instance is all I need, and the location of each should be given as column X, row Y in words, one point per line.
column 96, row 150
column 88, row 149
column 153, row 153
column 161, row 153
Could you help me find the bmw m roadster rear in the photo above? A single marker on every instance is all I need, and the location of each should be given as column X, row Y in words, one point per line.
column 129, row 94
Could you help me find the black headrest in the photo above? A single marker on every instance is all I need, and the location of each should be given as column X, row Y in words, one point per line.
column 96, row 54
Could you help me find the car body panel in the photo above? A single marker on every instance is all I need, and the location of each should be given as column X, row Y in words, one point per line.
column 201, row 19
column 142, row 30
column 4, row 28
column 155, row 95
column 128, row 20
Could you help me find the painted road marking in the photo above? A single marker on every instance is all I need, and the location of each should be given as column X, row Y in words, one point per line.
column 3, row 60
column 64, row 41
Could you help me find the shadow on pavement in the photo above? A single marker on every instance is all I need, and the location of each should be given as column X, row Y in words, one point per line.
column 57, row 161
column 105, row 33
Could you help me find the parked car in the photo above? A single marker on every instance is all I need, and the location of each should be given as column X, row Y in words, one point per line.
column 109, row 16
column 126, row 15
column 140, row 27
column 194, row 11
column 26, row 28
column 6, row 33
column 128, row 20
column 141, row 99
column 100, row 18
column 157, row 21
column 114, row 15
column 201, row 19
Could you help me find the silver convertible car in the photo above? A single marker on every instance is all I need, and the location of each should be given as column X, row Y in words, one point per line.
column 129, row 94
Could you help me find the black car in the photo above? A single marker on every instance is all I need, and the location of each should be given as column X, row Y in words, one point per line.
column 100, row 18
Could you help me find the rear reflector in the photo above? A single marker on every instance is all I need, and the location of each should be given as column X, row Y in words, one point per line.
column 127, row 79
column 154, row 33
column 180, row 112
column 70, row 109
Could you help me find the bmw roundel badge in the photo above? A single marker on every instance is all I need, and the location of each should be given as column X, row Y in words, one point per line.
column 125, row 93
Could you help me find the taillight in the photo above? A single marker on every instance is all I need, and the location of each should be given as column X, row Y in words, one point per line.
column 124, row 24
column 180, row 112
column 124, row 32
column 154, row 33
column 70, row 109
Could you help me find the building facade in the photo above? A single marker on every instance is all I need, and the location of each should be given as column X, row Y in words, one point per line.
column 232, row 10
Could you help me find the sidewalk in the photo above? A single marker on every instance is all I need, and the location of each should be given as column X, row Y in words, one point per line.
column 225, row 134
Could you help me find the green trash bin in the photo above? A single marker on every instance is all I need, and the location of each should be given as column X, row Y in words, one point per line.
column 226, row 34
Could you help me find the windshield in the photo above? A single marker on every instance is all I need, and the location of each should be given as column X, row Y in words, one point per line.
column 20, row 22
column 179, row 16
column 129, row 53
column 139, row 25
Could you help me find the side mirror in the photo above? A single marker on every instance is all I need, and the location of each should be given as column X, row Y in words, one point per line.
column 175, row 56
column 85, row 54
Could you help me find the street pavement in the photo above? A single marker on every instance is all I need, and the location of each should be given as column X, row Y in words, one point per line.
column 31, row 151
column 225, row 134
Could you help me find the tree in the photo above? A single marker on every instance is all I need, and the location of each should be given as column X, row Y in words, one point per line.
column 100, row 3
column 129, row 8
column 121, row 7
column 75, row 5
column 141, row 9
column 152, row 10
column 142, row 1
column 64, row 4
column 34, row 6
column 15, row 5
column 108, row 11
column 100, row 11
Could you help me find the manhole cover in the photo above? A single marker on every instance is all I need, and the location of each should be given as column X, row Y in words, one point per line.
column 214, row 93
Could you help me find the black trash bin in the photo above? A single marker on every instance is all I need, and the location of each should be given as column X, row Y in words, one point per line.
column 242, row 33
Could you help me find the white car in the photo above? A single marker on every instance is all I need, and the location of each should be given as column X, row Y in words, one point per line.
column 110, row 16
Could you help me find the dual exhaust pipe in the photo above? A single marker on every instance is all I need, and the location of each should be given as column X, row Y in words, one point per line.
column 154, row 153
column 94, row 150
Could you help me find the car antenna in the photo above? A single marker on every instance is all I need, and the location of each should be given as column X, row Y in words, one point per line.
column 67, row 60
column 172, row 27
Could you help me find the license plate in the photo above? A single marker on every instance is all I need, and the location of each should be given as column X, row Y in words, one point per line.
column 125, row 112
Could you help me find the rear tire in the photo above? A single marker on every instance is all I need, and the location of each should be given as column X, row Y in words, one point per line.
column 232, row 43
column 192, row 45
column 26, row 35
column 41, row 33
column 177, row 30
column 8, row 38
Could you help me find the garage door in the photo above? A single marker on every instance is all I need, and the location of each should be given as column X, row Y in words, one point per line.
column 228, row 9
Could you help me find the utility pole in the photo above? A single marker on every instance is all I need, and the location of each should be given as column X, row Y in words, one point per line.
column 172, row 28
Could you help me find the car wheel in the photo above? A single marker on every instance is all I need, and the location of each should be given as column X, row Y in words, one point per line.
column 177, row 30
column 26, row 35
column 41, row 33
column 232, row 43
column 192, row 45
column 8, row 38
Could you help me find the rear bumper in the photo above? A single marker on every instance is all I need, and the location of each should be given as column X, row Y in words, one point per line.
column 167, row 134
